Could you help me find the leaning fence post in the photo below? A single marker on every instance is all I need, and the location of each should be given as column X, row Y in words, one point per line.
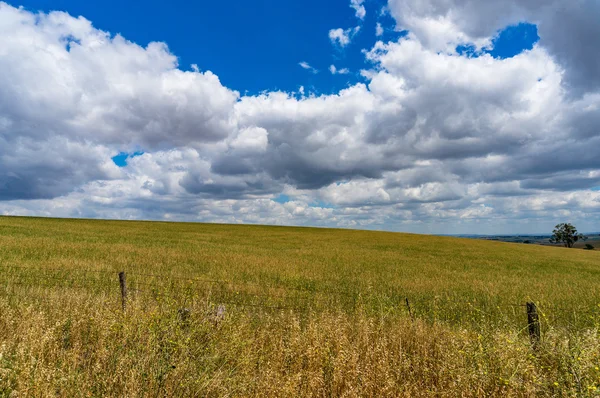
column 123, row 284
column 409, row 310
column 534, row 324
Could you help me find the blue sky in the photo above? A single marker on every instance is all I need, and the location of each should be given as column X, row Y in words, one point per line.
column 251, row 45
column 462, row 117
column 256, row 46
column 509, row 42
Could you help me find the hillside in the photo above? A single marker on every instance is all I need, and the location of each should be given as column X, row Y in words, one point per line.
column 285, row 292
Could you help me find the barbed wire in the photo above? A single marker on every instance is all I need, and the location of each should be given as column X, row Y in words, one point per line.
column 229, row 302
column 29, row 285
column 187, row 288
column 245, row 284
column 181, row 278
column 70, row 282
column 63, row 270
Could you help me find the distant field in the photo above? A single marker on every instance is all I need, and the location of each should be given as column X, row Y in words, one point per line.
column 592, row 239
column 308, row 312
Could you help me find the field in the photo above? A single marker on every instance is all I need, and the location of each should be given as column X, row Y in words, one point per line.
column 219, row 310
column 592, row 239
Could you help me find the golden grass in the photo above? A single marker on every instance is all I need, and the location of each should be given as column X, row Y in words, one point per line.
column 309, row 312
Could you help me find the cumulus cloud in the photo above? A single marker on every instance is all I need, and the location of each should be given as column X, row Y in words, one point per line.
column 341, row 37
column 566, row 29
column 72, row 95
column 378, row 29
column 358, row 6
column 431, row 141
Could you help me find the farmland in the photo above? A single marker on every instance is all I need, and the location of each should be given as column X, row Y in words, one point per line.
column 592, row 239
column 221, row 310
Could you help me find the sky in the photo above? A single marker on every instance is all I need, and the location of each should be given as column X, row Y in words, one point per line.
column 427, row 116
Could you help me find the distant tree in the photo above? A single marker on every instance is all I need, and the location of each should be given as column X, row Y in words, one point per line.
column 589, row 247
column 566, row 234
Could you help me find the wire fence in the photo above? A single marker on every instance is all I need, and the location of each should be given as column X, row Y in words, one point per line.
column 264, row 295
column 156, row 285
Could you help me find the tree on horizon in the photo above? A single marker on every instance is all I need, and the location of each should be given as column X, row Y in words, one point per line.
column 566, row 234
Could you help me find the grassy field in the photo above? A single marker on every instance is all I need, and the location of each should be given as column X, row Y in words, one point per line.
column 273, row 311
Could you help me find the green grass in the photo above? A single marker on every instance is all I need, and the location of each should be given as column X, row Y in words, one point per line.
column 273, row 280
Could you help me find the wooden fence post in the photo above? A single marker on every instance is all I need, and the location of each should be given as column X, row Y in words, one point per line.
column 123, row 283
column 533, row 320
column 409, row 309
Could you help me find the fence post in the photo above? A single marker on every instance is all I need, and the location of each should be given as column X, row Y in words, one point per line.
column 534, row 325
column 409, row 309
column 123, row 284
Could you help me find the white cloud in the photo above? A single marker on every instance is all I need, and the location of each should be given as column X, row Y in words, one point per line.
column 253, row 139
column 431, row 142
column 358, row 6
column 335, row 71
column 342, row 37
column 306, row 65
column 378, row 30
column 565, row 29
